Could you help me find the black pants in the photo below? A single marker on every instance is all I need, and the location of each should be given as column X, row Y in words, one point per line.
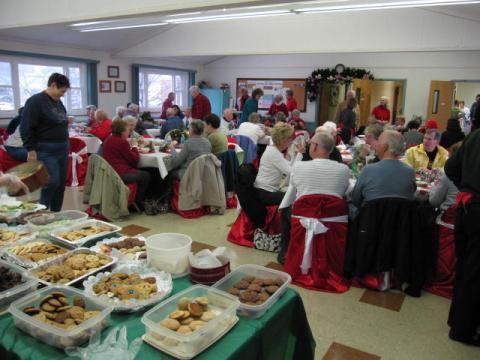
column 275, row 198
column 465, row 309
column 142, row 178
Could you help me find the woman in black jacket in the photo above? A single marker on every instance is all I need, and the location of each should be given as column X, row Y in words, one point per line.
column 453, row 134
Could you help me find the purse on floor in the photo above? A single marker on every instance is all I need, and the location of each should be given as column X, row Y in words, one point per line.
column 265, row 241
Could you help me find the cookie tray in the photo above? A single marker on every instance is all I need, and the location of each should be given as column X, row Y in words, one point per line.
column 190, row 345
column 30, row 235
column 25, row 263
column 62, row 258
column 10, row 295
column 86, row 239
column 122, row 258
column 254, row 311
column 52, row 335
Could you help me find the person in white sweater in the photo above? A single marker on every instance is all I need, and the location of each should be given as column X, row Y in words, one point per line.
column 251, row 128
column 320, row 176
column 274, row 167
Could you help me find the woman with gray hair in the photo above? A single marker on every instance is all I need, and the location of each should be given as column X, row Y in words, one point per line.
column 389, row 178
column 119, row 112
column 195, row 146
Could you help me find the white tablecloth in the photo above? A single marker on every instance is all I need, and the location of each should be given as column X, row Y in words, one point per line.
column 154, row 132
column 155, row 160
column 93, row 143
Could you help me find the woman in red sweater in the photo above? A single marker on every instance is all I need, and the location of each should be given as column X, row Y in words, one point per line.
column 124, row 159
column 278, row 106
column 101, row 127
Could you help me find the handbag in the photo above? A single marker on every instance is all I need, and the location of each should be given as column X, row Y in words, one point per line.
column 265, row 241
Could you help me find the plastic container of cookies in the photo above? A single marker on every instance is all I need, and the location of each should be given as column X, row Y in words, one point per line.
column 257, row 271
column 187, row 346
column 53, row 335
column 9, row 253
column 56, row 234
column 48, row 222
column 8, row 296
column 21, row 234
column 60, row 259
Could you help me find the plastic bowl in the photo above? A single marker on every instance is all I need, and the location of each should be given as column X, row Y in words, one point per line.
column 169, row 252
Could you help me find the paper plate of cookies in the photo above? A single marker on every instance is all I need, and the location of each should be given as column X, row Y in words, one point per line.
column 125, row 248
column 32, row 253
column 129, row 287
column 60, row 316
column 72, row 267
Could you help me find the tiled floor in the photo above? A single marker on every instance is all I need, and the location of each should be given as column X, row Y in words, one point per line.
column 358, row 324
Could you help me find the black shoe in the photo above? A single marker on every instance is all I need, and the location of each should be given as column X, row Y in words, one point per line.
column 474, row 340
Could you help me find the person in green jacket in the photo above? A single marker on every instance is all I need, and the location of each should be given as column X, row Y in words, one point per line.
column 251, row 105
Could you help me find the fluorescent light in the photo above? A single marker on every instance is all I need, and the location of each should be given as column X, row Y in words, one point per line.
column 386, row 5
column 186, row 14
column 230, row 16
column 123, row 27
column 92, row 23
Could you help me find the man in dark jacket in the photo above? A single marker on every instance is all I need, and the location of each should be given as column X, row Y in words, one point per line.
column 463, row 168
column 475, row 113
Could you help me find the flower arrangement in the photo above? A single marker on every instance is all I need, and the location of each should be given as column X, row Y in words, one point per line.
column 330, row 75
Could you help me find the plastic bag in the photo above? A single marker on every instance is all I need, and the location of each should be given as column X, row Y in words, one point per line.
column 111, row 348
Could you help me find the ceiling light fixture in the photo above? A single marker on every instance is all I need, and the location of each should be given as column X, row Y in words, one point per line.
column 230, row 16
column 385, row 5
column 92, row 23
column 123, row 27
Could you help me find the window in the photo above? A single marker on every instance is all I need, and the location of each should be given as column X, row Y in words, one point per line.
column 155, row 84
column 22, row 77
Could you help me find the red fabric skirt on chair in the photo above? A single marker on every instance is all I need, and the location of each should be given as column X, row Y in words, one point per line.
column 77, row 156
column 6, row 161
column 327, row 249
column 243, row 229
column 442, row 282
column 186, row 214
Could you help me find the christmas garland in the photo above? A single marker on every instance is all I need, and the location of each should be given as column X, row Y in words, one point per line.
column 330, row 75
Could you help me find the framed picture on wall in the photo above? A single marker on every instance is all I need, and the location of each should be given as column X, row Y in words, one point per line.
column 113, row 71
column 105, row 86
column 120, row 86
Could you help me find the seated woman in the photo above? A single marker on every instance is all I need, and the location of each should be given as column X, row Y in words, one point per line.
column 14, row 146
column 124, row 159
column 101, row 129
column 278, row 106
column 195, row 146
column 274, row 167
column 173, row 122
column 216, row 137
column 453, row 134
column 296, row 121
column 131, row 125
column 251, row 129
column 178, row 111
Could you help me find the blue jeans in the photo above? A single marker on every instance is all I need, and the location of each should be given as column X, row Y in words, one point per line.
column 18, row 153
column 55, row 158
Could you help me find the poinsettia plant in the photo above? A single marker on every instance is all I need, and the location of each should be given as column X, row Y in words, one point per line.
column 330, row 75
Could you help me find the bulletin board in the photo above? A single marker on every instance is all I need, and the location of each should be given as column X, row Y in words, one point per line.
column 272, row 87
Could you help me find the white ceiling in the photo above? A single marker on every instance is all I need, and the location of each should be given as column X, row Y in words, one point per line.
column 115, row 41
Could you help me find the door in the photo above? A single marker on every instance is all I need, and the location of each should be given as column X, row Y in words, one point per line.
column 440, row 102
column 363, row 89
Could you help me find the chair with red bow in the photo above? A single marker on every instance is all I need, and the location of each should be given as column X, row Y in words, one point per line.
column 442, row 282
column 316, row 250
column 77, row 163
column 6, row 161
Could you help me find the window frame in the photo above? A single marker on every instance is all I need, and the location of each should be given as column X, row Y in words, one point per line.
column 86, row 75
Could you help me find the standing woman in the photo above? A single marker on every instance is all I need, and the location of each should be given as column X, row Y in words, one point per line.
column 251, row 105
column 348, row 121
column 44, row 131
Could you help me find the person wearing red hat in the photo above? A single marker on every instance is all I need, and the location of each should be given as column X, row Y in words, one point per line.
column 431, row 124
